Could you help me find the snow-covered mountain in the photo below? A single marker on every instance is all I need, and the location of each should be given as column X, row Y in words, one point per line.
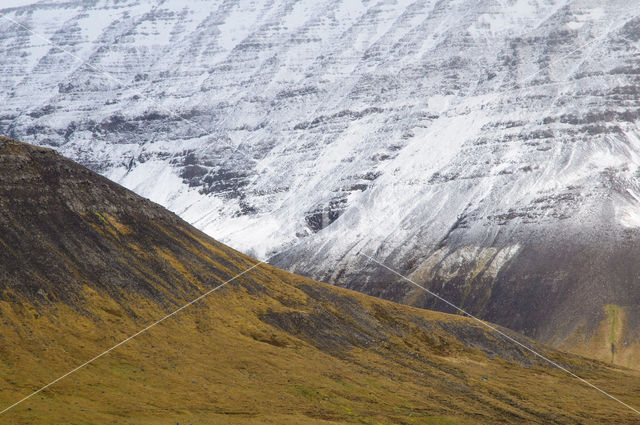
column 490, row 149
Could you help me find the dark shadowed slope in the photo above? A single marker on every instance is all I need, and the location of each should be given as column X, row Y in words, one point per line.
column 85, row 263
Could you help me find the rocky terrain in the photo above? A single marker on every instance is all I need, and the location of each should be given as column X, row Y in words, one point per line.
column 487, row 149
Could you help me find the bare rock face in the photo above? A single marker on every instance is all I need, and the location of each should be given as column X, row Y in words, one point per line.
column 488, row 149
column 66, row 232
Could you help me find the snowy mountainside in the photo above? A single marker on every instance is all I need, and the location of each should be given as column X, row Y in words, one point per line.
column 489, row 149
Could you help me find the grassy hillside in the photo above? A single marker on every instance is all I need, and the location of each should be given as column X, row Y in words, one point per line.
column 85, row 263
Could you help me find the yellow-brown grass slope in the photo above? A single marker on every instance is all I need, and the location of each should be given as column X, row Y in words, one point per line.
column 85, row 263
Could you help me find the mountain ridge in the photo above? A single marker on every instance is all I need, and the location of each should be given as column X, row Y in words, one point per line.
column 462, row 143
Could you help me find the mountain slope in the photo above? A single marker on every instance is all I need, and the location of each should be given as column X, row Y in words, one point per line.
column 489, row 149
column 86, row 263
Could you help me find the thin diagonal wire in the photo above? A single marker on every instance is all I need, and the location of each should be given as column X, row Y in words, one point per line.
column 130, row 338
column 513, row 86
column 493, row 328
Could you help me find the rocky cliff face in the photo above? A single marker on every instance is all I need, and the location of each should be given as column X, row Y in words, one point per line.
column 488, row 149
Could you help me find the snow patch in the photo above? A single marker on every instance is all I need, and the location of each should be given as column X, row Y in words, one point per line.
column 7, row 4
column 629, row 216
column 574, row 25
